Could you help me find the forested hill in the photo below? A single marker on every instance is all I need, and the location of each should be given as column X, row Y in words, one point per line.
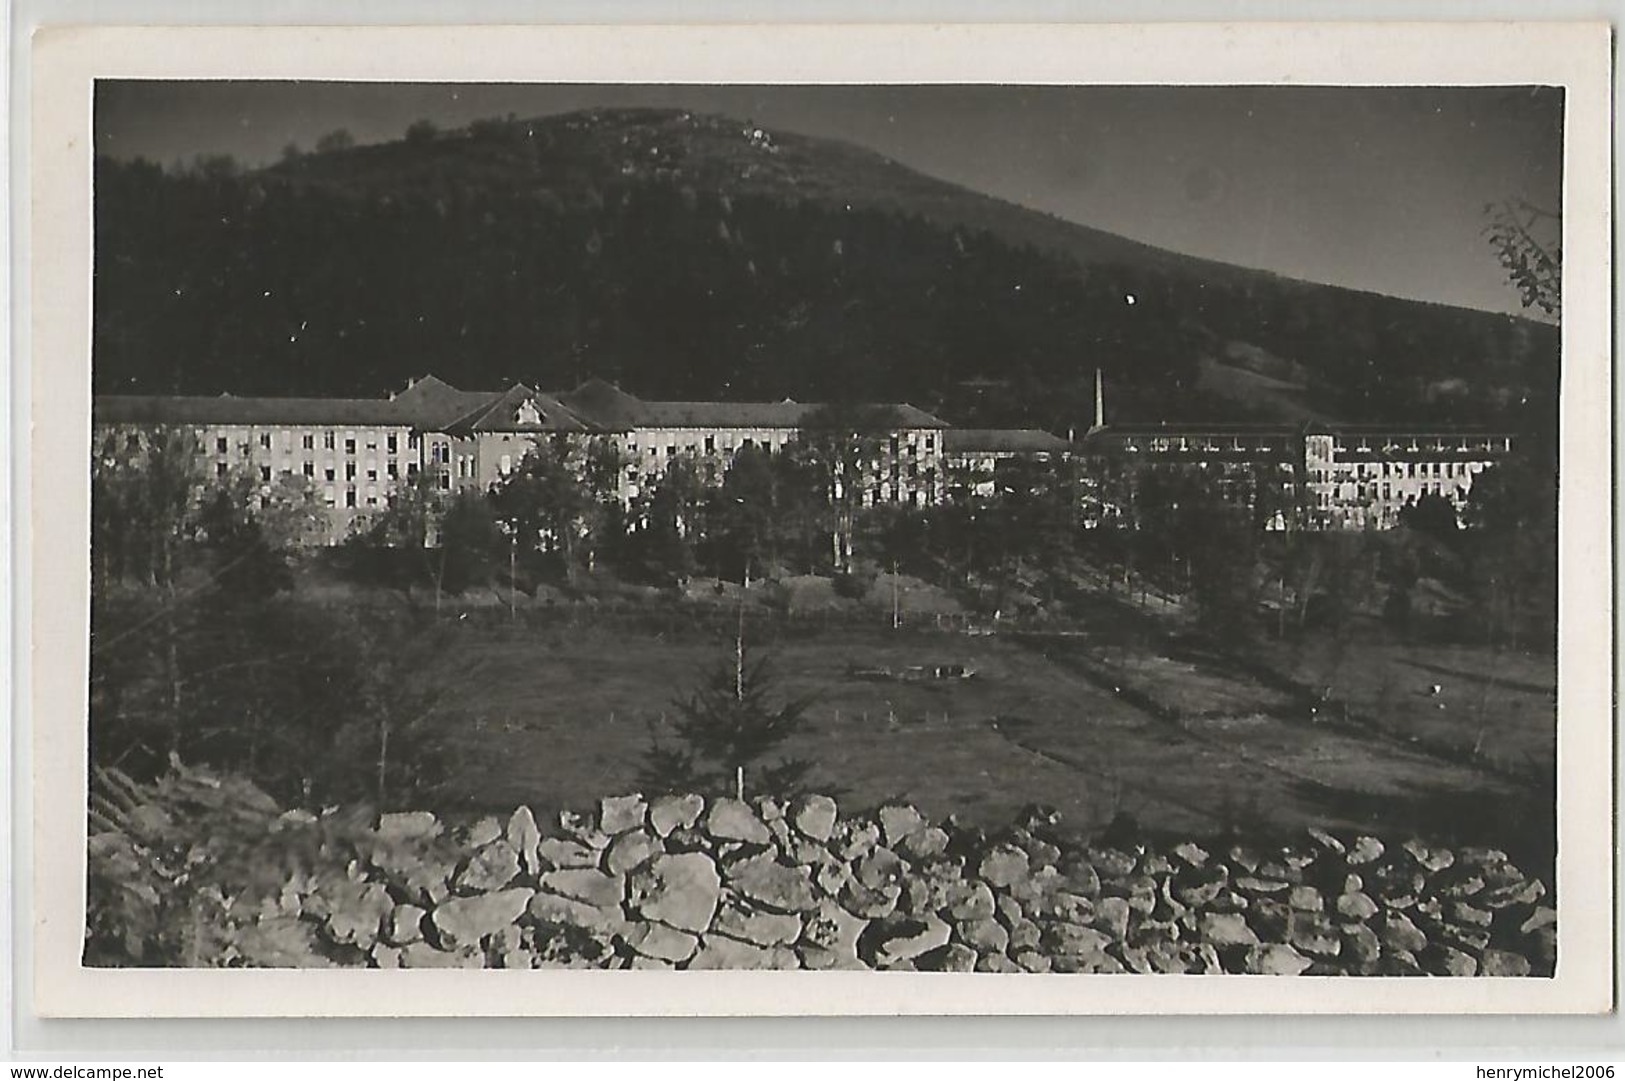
column 690, row 256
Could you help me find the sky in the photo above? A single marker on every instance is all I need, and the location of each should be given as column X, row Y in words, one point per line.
column 1381, row 189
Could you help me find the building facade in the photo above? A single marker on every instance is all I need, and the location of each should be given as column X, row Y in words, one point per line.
column 354, row 453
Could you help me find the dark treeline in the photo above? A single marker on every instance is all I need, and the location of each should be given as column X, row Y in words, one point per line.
column 511, row 253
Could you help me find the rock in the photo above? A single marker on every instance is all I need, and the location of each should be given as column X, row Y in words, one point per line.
column 408, row 826
column 730, row 820
column 1364, row 850
column 1519, row 893
column 680, row 891
column 1074, row 940
column 970, row 901
column 1462, row 913
column 551, row 909
column 1256, row 886
column 814, row 816
column 757, row 928
column 1112, row 916
column 1041, row 853
column 830, row 938
column 482, row 833
column 1305, row 899
column 404, row 925
column 1024, row 934
column 525, row 838
column 463, row 921
column 1356, row 906
column 356, row 912
column 669, row 813
column 879, row 869
column 926, row 844
column 1360, row 944
column 1542, row 916
column 854, row 840
column 1503, row 963
column 1314, row 934
column 631, row 850
column 771, row 884
column 1327, row 842
column 1399, row 963
column 1277, row 871
column 862, row 901
column 660, row 941
column 621, row 814
column 490, row 868
column 954, row 957
column 1154, row 864
column 720, row 952
column 1032, row 961
column 833, row 877
column 1038, row 891
column 1004, row 866
column 996, row 962
column 1244, row 859
column 1431, row 859
column 1275, row 959
column 653, row 964
column 1226, row 929
column 563, row 853
column 886, row 942
column 585, row 885
column 1082, row 879
column 1191, row 855
column 983, row 935
column 1398, row 933
column 1447, row 961
column 898, row 821
column 423, row 955
column 1112, row 862
column 384, row 956
column 1198, row 890
column 1472, row 939
column 1463, row 887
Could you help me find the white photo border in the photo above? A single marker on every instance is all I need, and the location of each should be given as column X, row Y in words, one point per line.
column 68, row 60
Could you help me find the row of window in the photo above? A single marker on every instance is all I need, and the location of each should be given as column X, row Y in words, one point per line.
column 392, row 470
column 330, row 441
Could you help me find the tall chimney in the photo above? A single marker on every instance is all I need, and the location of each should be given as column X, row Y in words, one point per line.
column 1100, row 402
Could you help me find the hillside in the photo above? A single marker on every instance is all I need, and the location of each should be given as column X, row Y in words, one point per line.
column 695, row 256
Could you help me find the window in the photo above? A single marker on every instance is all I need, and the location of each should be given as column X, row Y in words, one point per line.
column 445, row 482
column 328, row 473
column 327, row 440
column 327, row 497
column 220, row 469
column 372, row 440
column 710, row 444
column 309, row 441
column 349, row 471
column 671, row 450
column 505, row 464
column 132, row 442
column 411, row 440
column 349, row 446
column 265, row 472
column 265, row 440
column 392, row 443
column 349, row 497
column 372, row 474
column 930, row 442
column 394, row 471
column 220, row 445
column 310, row 469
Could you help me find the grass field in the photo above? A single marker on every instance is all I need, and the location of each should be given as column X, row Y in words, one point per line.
column 559, row 715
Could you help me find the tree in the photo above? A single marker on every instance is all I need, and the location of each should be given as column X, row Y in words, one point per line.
column 730, row 734
column 1527, row 239
column 1432, row 516
column 338, row 139
column 549, row 503
column 668, row 524
column 421, row 131
column 843, row 445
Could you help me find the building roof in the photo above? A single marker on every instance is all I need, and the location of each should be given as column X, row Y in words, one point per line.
column 606, row 405
column 514, row 410
column 1002, row 441
column 227, row 409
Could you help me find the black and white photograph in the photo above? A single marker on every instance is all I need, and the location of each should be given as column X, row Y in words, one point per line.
column 1048, row 531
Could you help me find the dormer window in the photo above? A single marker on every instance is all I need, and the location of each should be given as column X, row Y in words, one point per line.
column 527, row 414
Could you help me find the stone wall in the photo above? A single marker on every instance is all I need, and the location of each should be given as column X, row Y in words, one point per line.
column 683, row 882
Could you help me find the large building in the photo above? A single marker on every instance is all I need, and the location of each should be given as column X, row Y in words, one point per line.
column 355, row 451
column 1313, row 476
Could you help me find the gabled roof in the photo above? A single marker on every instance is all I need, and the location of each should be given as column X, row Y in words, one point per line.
column 1002, row 440
column 504, row 413
column 606, row 405
column 432, row 404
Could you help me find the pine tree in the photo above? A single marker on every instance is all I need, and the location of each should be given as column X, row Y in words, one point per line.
column 730, row 735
